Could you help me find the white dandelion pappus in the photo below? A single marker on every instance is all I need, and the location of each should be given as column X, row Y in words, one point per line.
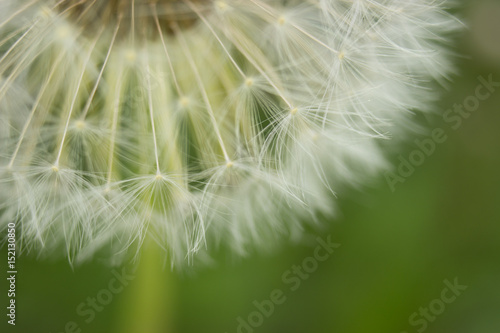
column 201, row 123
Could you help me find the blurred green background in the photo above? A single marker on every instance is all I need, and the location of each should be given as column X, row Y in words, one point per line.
column 397, row 248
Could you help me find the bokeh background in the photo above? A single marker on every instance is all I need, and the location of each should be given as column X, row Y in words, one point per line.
column 397, row 248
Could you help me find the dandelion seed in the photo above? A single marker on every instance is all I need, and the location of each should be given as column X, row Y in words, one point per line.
column 201, row 123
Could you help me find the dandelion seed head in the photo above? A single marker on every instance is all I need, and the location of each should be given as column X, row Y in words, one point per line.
column 80, row 124
column 202, row 123
column 221, row 5
column 249, row 82
column 130, row 55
